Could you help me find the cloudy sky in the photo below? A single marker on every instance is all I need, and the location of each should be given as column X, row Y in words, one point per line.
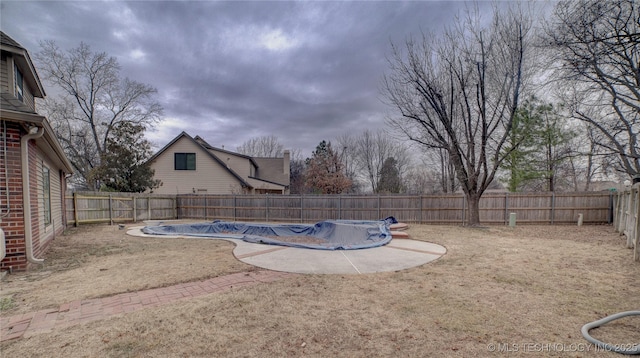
column 230, row 71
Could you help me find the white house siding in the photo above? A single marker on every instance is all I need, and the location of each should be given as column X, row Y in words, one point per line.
column 4, row 74
column 7, row 81
column 47, row 232
column 240, row 165
column 27, row 98
column 208, row 178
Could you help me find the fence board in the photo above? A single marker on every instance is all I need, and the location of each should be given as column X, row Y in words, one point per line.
column 530, row 208
column 98, row 207
column 627, row 217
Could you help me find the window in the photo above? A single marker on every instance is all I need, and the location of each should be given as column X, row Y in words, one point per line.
column 19, row 83
column 185, row 161
column 46, row 195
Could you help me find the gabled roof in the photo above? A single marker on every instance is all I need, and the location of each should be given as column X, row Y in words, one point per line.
column 272, row 170
column 209, row 146
column 13, row 110
column 205, row 149
column 23, row 61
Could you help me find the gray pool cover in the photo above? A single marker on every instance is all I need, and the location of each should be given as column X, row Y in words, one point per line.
column 325, row 235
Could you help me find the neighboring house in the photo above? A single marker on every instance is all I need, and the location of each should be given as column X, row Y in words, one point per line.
column 33, row 168
column 191, row 166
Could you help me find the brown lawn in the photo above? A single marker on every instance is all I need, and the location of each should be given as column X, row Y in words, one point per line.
column 526, row 290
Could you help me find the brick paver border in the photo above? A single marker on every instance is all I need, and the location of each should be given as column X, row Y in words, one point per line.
column 83, row 311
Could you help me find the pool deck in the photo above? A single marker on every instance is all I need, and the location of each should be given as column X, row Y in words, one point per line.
column 399, row 254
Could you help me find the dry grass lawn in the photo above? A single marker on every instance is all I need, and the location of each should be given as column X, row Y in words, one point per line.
column 527, row 290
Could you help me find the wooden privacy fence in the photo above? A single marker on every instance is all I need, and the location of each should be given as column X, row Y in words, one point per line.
column 97, row 207
column 627, row 217
column 530, row 208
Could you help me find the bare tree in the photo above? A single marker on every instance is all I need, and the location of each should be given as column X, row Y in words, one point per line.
column 346, row 147
column 297, row 168
column 460, row 92
column 597, row 47
column 369, row 150
column 264, row 146
column 420, row 180
column 441, row 167
column 94, row 99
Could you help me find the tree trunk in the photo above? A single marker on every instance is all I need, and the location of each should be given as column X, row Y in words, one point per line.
column 473, row 212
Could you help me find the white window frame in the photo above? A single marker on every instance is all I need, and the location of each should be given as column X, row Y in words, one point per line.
column 18, row 80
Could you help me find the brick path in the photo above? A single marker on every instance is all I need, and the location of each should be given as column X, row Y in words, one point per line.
column 83, row 311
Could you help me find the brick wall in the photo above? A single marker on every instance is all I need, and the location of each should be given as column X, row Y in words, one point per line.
column 13, row 223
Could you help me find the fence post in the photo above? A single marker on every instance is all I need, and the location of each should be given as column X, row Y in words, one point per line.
column 464, row 206
column 149, row 207
column 506, row 208
column 235, row 205
column 378, row 218
column 175, row 207
column 75, row 209
column 616, row 220
column 266, row 204
column 421, row 219
column 134, row 208
column 553, row 207
column 110, row 211
column 301, row 208
column 340, row 207
column 206, row 207
column 610, row 218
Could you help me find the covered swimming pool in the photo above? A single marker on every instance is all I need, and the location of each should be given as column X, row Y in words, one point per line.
column 324, row 235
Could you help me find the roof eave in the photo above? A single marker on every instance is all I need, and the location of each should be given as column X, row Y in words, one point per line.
column 24, row 61
column 37, row 120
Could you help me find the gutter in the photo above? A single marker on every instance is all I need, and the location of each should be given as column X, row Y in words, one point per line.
column 3, row 245
column 26, row 192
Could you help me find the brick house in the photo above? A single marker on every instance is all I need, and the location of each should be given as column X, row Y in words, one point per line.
column 33, row 167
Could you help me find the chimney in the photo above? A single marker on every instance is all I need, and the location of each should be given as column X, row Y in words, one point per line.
column 286, row 163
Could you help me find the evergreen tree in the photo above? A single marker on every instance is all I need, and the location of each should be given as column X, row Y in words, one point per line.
column 538, row 147
column 553, row 140
column 521, row 147
column 390, row 181
column 123, row 166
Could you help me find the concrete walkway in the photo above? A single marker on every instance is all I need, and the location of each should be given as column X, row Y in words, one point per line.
column 398, row 254
column 83, row 311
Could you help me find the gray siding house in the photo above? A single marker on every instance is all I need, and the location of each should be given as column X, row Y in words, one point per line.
column 188, row 165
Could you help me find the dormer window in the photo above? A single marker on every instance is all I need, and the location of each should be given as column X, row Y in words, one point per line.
column 19, row 83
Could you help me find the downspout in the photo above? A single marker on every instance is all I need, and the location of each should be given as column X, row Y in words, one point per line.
column 3, row 244
column 26, row 192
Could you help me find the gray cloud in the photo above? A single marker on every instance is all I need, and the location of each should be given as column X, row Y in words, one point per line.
column 229, row 71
